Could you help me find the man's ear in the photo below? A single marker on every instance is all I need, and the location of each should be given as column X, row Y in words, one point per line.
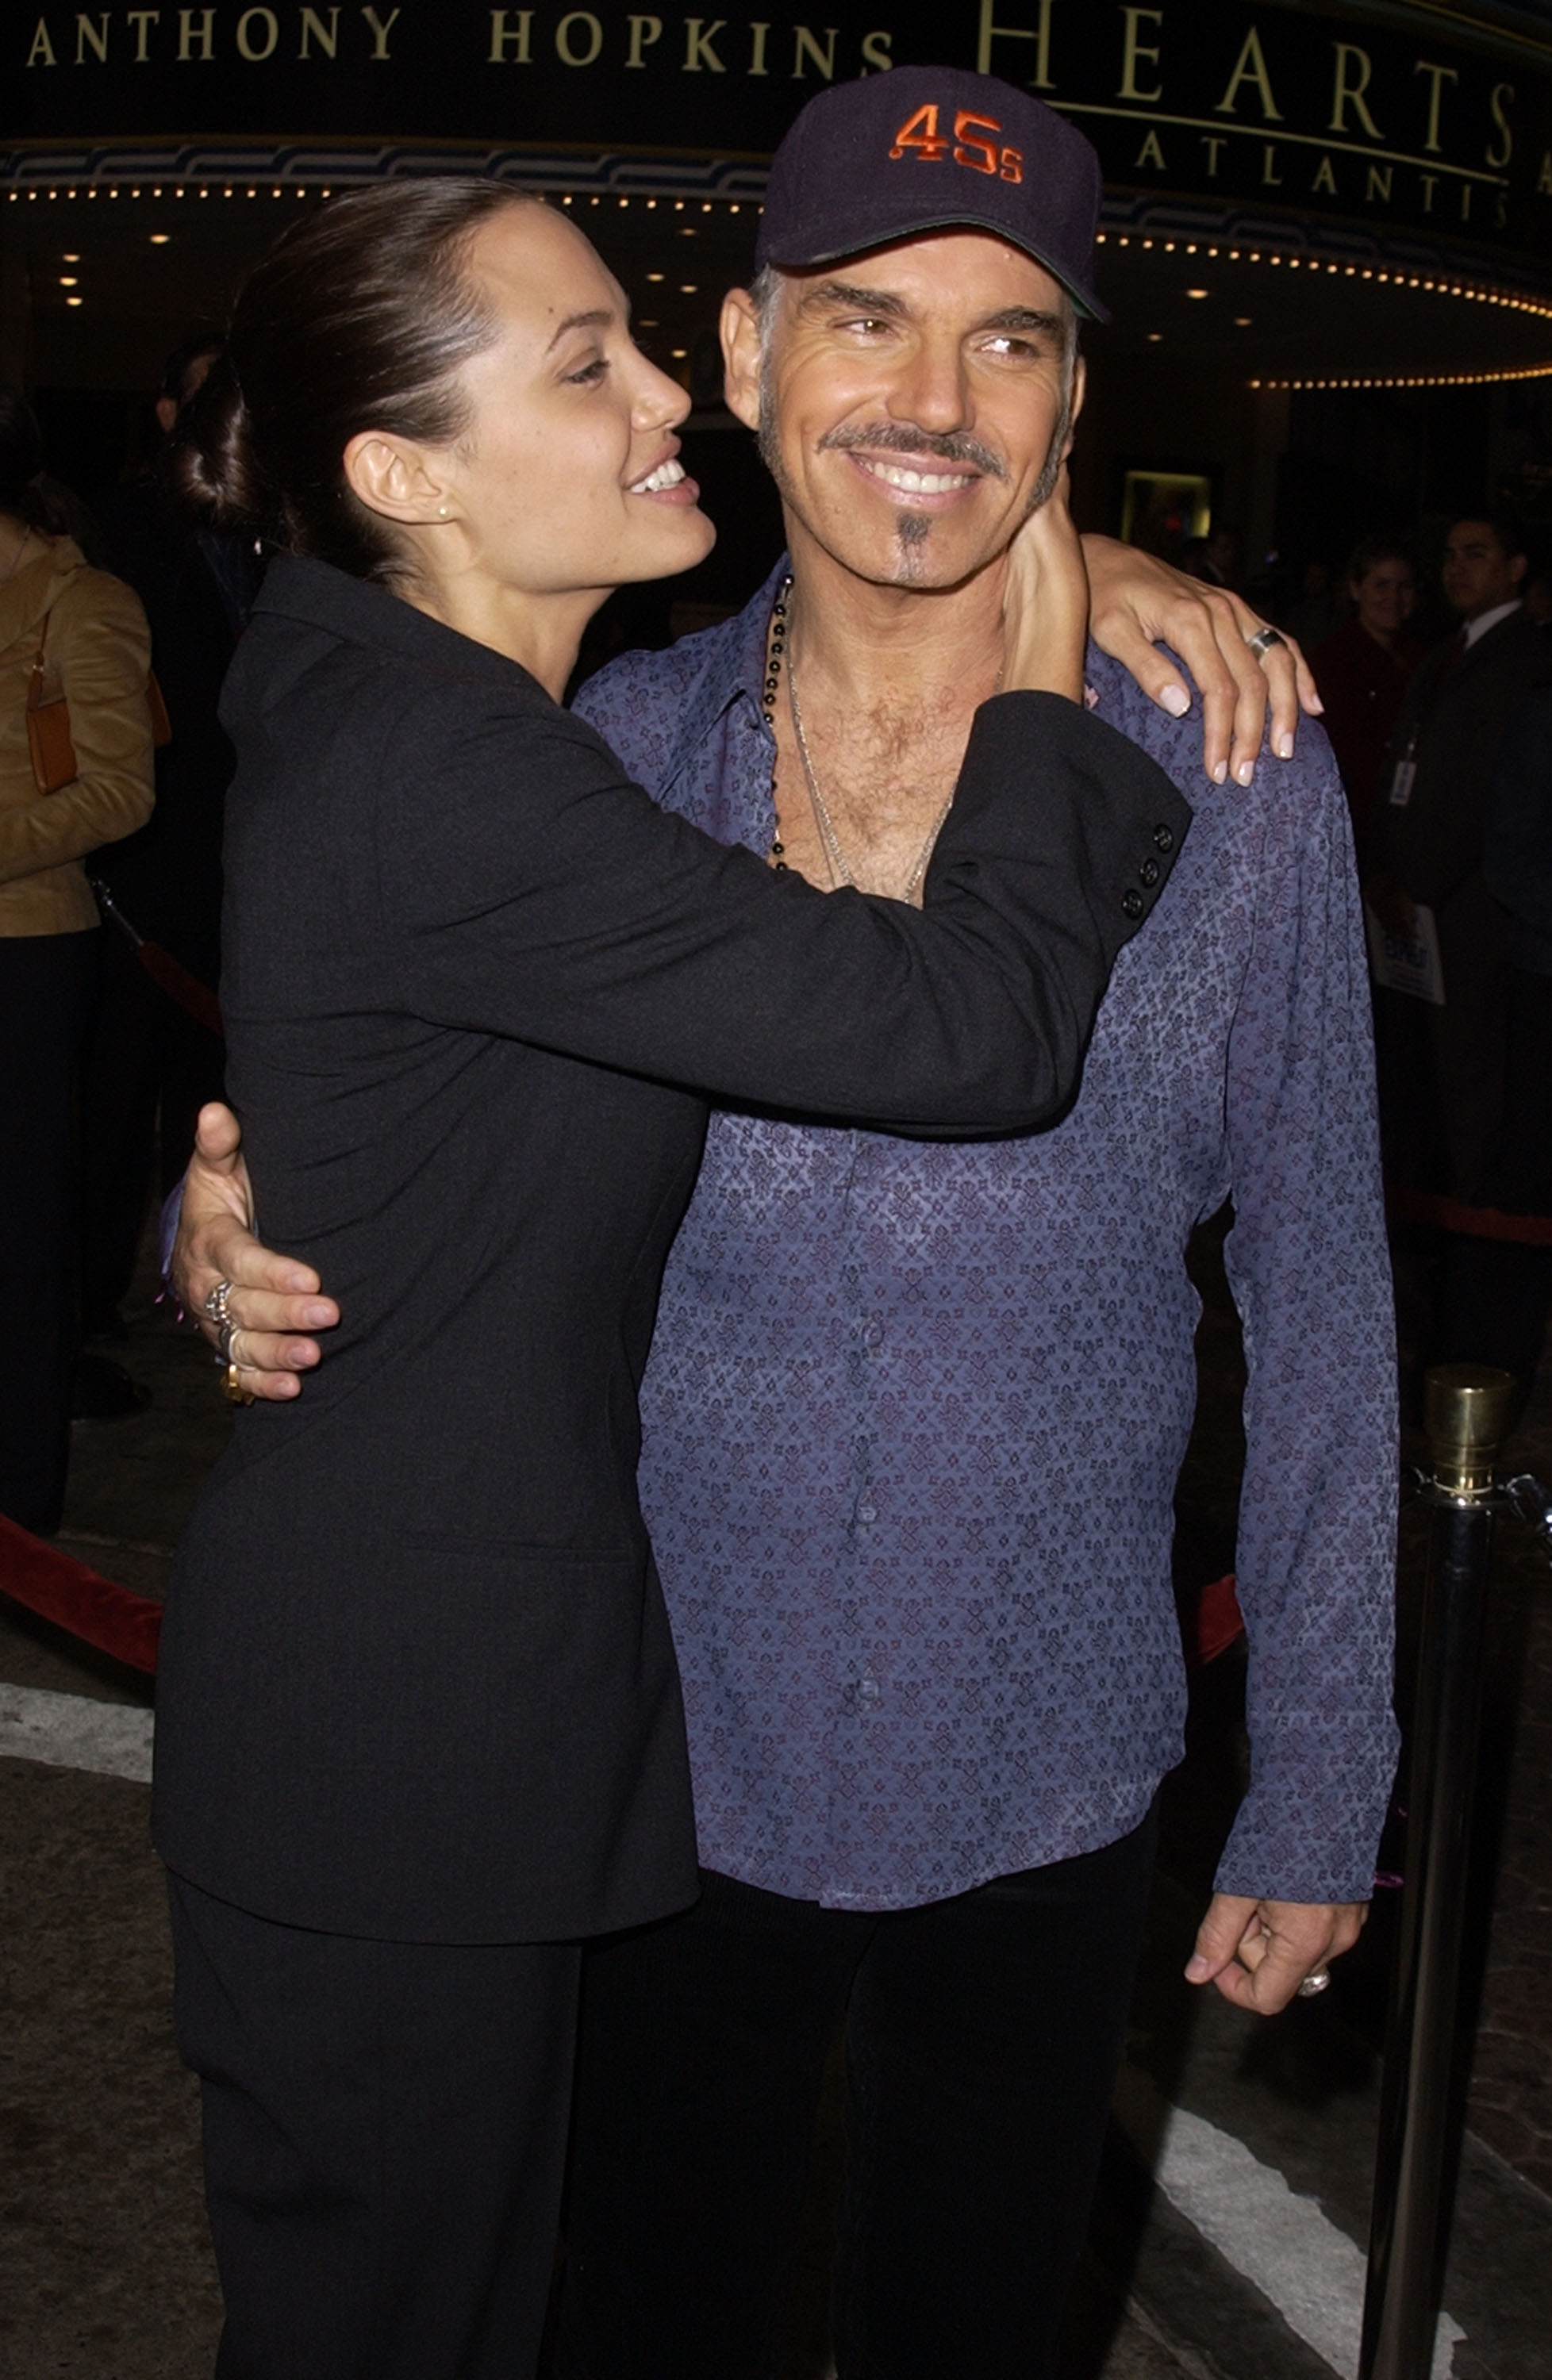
column 1518, row 565
column 166, row 414
column 396, row 477
column 1080, row 383
column 741, row 356
column 1080, row 390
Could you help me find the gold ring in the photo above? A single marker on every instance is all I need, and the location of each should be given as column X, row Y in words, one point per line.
column 234, row 1394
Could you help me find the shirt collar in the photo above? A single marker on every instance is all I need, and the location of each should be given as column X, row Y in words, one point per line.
column 740, row 666
column 1485, row 620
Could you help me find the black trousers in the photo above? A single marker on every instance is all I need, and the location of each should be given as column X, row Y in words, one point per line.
column 384, row 2137
column 46, row 983
column 982, row 2036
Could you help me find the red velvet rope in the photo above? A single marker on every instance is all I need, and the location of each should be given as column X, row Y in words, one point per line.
column 1473, row 1223
column 97, row 1609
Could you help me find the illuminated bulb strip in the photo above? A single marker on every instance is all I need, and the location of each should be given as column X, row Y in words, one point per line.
column 302, row 190
column 1515, row 302
column 1540, row 309
column 1419, row 380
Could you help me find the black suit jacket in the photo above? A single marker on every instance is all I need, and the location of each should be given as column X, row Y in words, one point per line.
column 1452, row 719
column 417, row 1680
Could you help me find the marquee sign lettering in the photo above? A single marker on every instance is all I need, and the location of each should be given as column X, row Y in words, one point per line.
column 1313, row 107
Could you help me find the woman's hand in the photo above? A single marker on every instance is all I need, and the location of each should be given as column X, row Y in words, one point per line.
column 1045, row 606
column 1139, row 604
column 1258, row 1952
column 271, row 1297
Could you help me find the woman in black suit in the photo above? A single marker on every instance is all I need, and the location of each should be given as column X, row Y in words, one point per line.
column 475, row 983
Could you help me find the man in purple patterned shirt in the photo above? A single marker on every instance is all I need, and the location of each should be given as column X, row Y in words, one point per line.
column 914, row 1414
column 915, row 1411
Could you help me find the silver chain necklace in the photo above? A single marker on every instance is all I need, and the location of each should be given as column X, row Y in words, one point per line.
column 836, row 859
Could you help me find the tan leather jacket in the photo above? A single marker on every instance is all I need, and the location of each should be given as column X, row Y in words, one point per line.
column 99, row 651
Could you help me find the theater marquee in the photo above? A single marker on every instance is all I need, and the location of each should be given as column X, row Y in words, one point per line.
column 1423, row 125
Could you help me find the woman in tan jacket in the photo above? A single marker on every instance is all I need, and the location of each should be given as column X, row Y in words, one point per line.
column 96, row 651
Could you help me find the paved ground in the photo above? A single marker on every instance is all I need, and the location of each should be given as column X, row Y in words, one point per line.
column 1227, row 2243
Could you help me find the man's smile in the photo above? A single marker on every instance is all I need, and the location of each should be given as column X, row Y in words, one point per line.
column 923, row 486
column 912, row 482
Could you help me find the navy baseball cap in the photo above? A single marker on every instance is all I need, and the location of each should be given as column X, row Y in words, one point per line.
column 924, row 149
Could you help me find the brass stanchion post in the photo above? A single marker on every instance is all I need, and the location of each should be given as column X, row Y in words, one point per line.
column 1467, row 1410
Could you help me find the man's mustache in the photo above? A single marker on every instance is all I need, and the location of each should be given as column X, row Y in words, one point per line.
column 900, row 438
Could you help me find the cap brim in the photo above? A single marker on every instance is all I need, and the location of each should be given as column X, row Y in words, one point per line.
column 1087, row 305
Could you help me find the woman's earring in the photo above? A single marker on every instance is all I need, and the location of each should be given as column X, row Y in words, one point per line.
column 441, row 512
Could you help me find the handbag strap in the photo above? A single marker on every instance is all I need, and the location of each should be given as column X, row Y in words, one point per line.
column 35, row 689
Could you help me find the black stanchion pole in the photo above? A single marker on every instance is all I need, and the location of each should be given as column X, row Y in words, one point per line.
column 1467, row 1411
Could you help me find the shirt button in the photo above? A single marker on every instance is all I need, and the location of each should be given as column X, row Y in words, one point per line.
column 1149, row 873
column 1133, row 904
column 873, row 1334
column 867, row 1691
column 1163, row 838
column 867, row 1512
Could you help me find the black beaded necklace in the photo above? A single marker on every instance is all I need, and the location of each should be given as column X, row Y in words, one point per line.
column 775, row 653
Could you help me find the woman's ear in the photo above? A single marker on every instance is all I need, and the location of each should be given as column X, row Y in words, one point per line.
column 397, row 478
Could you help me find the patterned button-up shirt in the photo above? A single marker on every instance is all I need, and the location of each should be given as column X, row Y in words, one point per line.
column 915, row 1411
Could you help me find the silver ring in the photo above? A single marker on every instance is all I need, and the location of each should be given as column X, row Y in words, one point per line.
column 1263, row 639
column 1315, row 1983
column 225, row 1340
column 216, row 1304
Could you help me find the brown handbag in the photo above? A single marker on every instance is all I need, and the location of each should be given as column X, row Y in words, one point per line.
column 48, row 725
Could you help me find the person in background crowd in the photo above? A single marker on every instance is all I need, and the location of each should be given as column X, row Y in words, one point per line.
column 1496, row 1293
column 1538, row 597
column 1318, row 609
column 90, row 634
column 1225, row 555
column 1214, row 559
column 1442, row 1066
column 914, row 1416
column 1362, row 671
column 151, row 1063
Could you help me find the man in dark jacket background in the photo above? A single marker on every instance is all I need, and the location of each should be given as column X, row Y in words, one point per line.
column 1442, row 1068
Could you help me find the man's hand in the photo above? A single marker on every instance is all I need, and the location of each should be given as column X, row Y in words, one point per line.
column 1258, row 1952
column 1139, row 602
column 272, row 1297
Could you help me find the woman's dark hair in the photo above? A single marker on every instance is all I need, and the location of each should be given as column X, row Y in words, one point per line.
column 21, row 460
column 358, row 318
column 1375, row 550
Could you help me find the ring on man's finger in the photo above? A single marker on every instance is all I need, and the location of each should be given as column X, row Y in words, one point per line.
column 233, row 1391
column 1315, row 1983
column 1263, row 639
column 216, row 1303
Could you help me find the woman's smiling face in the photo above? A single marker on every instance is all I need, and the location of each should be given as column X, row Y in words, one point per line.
column 567, row 475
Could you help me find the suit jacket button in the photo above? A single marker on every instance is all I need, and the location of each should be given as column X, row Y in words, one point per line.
column 1149, row 873
column 1163, row 838
column 1133, row 904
